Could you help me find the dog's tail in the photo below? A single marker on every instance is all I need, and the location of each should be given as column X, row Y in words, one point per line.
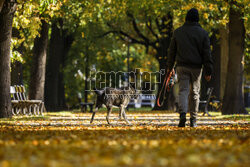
column 98, row 92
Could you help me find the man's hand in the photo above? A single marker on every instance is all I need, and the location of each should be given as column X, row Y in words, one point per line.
column 208, row 78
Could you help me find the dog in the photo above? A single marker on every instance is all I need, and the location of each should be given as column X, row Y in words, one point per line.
column 114, row 97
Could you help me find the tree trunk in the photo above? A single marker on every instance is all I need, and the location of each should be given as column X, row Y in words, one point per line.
column 161, row 56
column 37, row 80
column 17, row 66
column 16, row 73
column 67, row 41
column 169, row 102
column 6, row 18
column 53, row 67
column 86, row 77
column 59, row 46
column 61, row 92
column 215, row 80
column 233, row 101
column 224, row 41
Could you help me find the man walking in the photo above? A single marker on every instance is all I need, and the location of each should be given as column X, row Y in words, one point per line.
column 190, row 49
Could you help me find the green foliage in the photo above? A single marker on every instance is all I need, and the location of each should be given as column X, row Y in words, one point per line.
column 88, row 20
column 104, row 54
column 27, row 21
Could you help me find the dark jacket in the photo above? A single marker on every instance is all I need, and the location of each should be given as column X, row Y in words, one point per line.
column 190, row 47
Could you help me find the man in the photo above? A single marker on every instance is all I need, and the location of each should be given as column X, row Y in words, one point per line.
column 190, row 49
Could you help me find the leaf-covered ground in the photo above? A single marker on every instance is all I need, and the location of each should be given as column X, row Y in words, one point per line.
column 66, row 139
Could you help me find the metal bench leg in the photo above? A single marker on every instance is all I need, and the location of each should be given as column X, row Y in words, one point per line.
column 17, row 110
column 43, row 109
column 36, row 109
column 13, row 111
column 30, row 108
column 23, row 111
column 206, row 112
column 81, row 108
column 39, row 109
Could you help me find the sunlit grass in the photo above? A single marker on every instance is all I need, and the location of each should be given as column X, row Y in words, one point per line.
column 115, row 111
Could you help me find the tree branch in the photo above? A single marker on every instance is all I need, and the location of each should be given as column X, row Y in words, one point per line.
column 234, row 3
column 149, row 26
column 133, row 40
column 158, row 25
column 137, row 29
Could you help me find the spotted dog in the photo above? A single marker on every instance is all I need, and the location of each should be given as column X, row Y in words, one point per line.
column 114, row 97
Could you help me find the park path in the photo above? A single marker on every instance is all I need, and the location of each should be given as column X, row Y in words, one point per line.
column 142, row 119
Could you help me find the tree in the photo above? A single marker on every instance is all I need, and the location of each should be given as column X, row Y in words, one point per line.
column 60, row 43
column 150, row 24
column 233, row 102
column 37, row 79
column 159, row 43
column 53, row 66
column 6, row 18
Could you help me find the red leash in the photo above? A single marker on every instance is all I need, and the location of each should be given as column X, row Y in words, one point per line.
column 165, row 85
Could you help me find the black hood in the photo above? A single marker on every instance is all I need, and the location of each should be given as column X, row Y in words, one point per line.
column 192, row 15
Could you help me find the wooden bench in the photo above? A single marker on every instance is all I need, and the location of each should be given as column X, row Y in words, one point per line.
column 20, row 102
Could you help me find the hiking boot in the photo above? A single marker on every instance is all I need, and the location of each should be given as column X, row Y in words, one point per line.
column 182, row 122
column 193, row 122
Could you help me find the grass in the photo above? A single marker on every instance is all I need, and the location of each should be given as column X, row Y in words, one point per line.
column 236, row 117
column 78, row 113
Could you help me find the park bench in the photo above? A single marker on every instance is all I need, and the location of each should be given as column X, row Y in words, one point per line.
column 19, row 102
column 142, row 101
column 84, row 105
column 203, row 105
column 14, row 101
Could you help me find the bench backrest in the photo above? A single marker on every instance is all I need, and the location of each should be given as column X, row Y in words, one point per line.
column 20, row 92
column 13, row 93
column 209, row 93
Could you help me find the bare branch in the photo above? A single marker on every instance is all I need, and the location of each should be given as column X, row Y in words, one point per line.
column 149, row 26
column 133, row 40
column 122, row 33
column 158, row 25
column 137, row 29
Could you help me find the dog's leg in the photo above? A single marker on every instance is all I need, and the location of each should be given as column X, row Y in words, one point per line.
column 120, row 113
column 124, row 115
column 93, row 115
column 108, row 113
